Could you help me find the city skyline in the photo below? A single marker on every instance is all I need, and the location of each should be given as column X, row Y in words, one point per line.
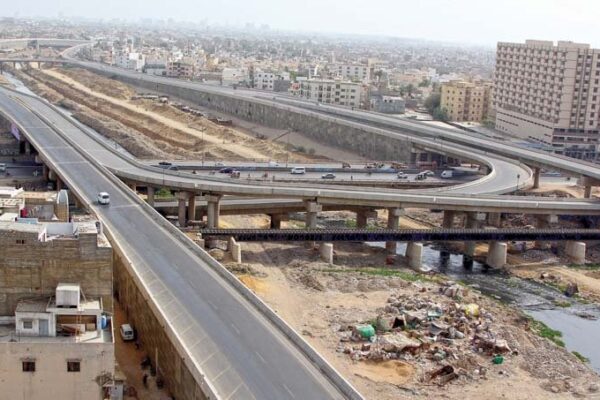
column 463, row 21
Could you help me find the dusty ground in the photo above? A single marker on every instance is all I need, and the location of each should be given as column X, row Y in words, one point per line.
column 128, row 359
column 320, row 301
column 148, row 128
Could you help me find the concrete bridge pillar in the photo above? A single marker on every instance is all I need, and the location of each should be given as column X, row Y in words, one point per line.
column 588, row 184
column 544, row 222
column 414, row 253
column 496, row 257
column 191, row 210
column 448, row 222
column 212, row 210
column 362, row 217
column 59, row 184
column 182, row 198
column 236, row 250
column 473, row 221
column 393, row 222
column 312, row 210
column 132, row 186
column 150, row 195
column 45, row 172
column 495, row 219
column 276, row 220
column 576, row 251
column 326, row 252
column 536, row 178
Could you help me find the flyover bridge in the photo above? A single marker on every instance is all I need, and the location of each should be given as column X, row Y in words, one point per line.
column 402, row 235
column 230, row 343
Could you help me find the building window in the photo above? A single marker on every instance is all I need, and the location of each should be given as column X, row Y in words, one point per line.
column 29, row 366
column 27, row 324
column 73, row 366
column 20, row 241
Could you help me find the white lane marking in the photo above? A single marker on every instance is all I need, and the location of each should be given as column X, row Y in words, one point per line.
column 288, row 390
column 234, row 390
column 72, row 162
column 213, row 305
column 219, row 374
column 235, row 328
column 260, row 357
column 123, row 206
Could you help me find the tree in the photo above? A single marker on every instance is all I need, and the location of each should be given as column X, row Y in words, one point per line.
column 424, row 83
column 433, row 101
column 439, row 114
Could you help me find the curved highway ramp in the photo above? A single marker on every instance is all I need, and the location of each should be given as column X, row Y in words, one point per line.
column 235, row 346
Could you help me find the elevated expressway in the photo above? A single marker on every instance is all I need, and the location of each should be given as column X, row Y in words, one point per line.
column 132, row 170
column 234, row 346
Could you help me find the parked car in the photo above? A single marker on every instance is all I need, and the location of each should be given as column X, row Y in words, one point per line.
column 235, row 174
column 328, row 176
column 103, row 198
column 219, row 164
column 165, row 163
column 428, row 172
column 226, row 170
column 402, row 175
column 127, row 332
column 2, row 167
column 298, row 171
column 421, row 176
column 273, row 164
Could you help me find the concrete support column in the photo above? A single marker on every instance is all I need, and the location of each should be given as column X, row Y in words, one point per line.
column 473, row 221
column 576, row 251
column 587, row 184
column 326, row 252
column 495, row 219
column 312, row 210
column 536, row 178
column 276, row 220
column 212, row 210
column 362, row 217
column 414, row 253
column 150, row 195
column 587, row 191
column 191, row 210
column 59, row 184
column 45, row 172
column 236, row 251
column 496, row 257
column 393, row 222
column 132, row 186
column 448, row 222
column 544, row 222
column 181, row 207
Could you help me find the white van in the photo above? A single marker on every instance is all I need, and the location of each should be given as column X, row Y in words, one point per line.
column 447, row 174
column 126, row 332
column 2, row 167
column 298, row 170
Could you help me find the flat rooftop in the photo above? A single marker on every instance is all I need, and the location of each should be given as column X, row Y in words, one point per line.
column 8, row 334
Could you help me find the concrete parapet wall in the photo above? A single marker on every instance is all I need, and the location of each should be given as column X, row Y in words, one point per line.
column 326, row 252
column 236, row 250
column 414, row 253
column 496, row 257
column 576, row 251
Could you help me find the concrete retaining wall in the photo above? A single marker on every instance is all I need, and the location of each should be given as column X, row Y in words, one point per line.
column 367, row 144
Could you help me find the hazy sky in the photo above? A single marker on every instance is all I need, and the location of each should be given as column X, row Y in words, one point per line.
column 475, row 21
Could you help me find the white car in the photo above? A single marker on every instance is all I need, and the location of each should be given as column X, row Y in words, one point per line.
column 402, row 175
column 127, row 332
column 298, row 171
column 103, row 198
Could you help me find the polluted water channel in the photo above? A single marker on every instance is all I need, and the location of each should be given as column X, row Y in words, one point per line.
column 578, row 322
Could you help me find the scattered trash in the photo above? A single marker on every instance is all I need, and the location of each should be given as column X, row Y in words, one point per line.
column 363, row 331
column 571, row 289
column 471, row 310
column 498, row 359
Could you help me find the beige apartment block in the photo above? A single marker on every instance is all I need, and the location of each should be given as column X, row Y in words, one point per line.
column 549, row 93
column 338, row 92
column 466, row 101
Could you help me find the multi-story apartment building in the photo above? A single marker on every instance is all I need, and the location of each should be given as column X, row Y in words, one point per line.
column 353, row 72
column 263, row 80
column 182, row 68
column 466, row 101
column 550, row 93
column 348, row 94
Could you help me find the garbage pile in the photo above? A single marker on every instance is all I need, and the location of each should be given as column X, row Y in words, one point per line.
column 421, row 329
